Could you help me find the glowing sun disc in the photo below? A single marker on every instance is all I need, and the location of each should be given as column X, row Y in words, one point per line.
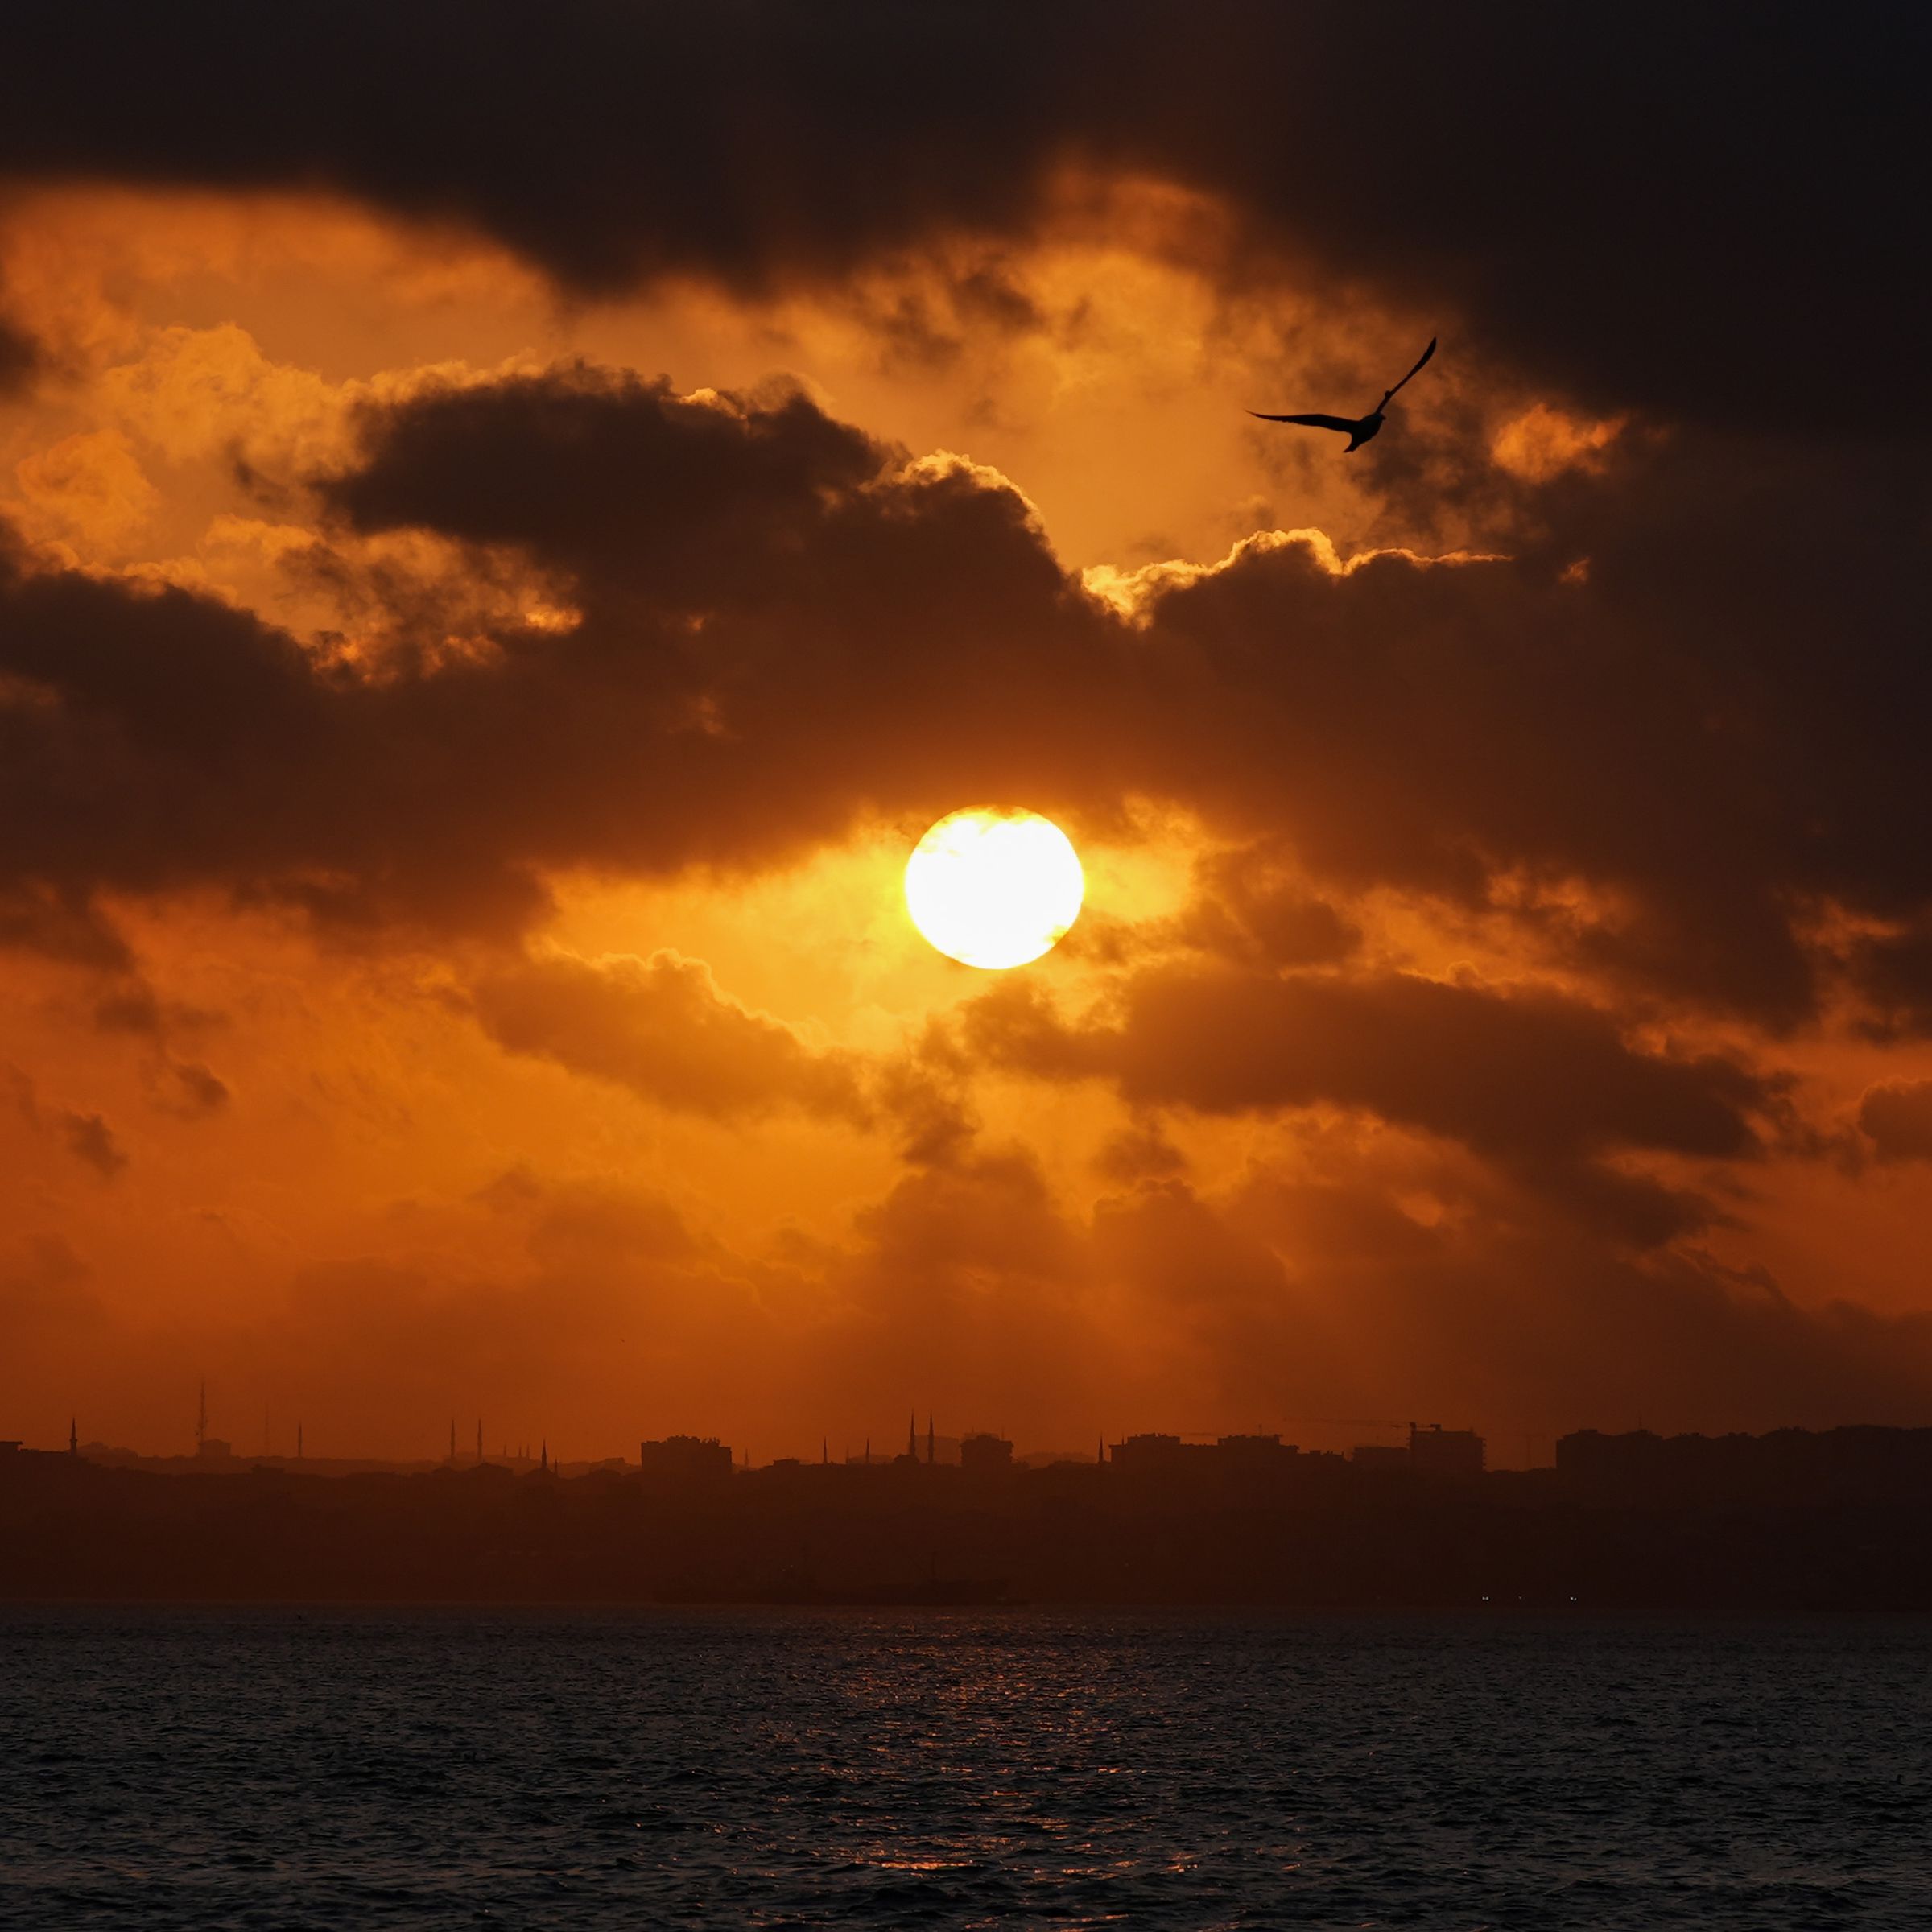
column 994, row 889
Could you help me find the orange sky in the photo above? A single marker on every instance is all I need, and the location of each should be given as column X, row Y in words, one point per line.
column 467, row 727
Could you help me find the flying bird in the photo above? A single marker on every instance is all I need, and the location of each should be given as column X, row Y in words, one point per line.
column 1357, row 429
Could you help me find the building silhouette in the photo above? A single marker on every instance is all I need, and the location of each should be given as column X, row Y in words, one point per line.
column 1162, row 1454
column 1440, row 1454
column 1153, row 1454
column 983, row 1453
column 1453, row 1453
column 1793, row 1520
column 1816, row 1466
column 685, row 1457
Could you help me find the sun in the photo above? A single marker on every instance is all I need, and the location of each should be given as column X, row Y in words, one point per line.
column 994, row 889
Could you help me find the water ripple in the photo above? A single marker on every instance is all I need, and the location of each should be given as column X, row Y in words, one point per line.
column 210, row 1768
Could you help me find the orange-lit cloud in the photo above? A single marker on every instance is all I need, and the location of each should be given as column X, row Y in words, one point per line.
column 475, row 649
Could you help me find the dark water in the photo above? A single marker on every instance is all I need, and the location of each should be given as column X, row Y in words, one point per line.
column 342, row 1769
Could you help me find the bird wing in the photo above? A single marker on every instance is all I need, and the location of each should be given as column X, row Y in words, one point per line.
column 1343, row 424
column 1420, row 360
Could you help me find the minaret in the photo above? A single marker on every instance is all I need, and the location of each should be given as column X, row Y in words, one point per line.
column 824, row 1451
column 546, row 1456
column 73, row 1436
column 928, row 1438
column 1100, row 1454
column 912, row 1436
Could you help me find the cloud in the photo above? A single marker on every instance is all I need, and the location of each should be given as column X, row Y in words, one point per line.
column 1139, row 1152
column 1512, row 1074
column 86, row 1136
column 43, row 1291
column 584, row 623
column 1492, row 178
column 1428, row 726
column 60, row 922
column 90, row 1139
column 1544, row 1086
column 660, row 1027
column 591, row 468
column 782, row 627
column 1891, row 974
column 1897, row 1118
column 192, row 1090
column 778, row 619
column 567, row 1222
column 1313, row 1291
column 19, row 358
column 1249, row 907
column 736, row 693
column 90, row 486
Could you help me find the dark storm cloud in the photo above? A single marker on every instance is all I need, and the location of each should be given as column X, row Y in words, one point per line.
column 600, row 473
column 1704, row 214
column 760, row 658
column 59, row 922
column 1715, row 725
column 1891, row 974
column 1671, row 728
column 1541, row 1085
column 1661, row 772
column 1247, row 908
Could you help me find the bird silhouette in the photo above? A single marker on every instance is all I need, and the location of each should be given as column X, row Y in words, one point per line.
column 1357, row 429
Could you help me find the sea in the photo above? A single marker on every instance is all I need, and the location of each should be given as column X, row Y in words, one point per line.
column 333, row 1768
